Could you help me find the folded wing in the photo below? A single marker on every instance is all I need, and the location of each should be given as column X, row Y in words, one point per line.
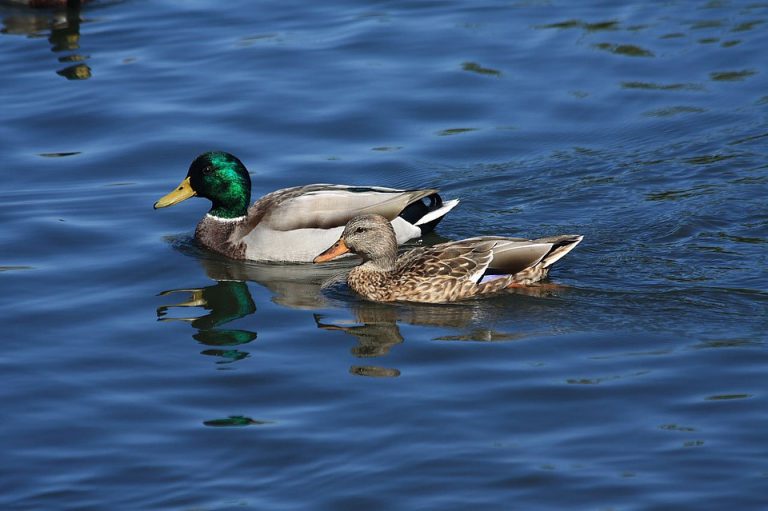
column 325, row 206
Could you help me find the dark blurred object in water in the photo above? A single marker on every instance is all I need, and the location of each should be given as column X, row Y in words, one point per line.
column 62, row 18
column 47, row 4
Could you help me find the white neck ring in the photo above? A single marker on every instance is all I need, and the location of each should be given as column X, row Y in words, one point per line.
column 225, row 220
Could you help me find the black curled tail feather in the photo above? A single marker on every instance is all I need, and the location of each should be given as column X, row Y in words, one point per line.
column 415, row 211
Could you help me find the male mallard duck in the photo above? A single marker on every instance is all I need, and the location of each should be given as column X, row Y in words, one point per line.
column 445, row 272
column 292, row 224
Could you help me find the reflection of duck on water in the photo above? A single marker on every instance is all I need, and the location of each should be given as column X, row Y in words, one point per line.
column 229, row 299
column 62, row 18
column 227, row 302
column 298, row 286
column 375, row 326
column 375, row 329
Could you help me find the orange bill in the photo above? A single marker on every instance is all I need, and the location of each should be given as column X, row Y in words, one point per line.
column 333, row 252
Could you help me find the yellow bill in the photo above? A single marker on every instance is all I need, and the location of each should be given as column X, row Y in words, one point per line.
column 183, row 192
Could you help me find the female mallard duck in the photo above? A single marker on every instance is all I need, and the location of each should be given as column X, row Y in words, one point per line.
column 442, row 273
column 292, row 224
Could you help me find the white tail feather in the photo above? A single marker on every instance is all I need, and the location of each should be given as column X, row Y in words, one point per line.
column 439, row 212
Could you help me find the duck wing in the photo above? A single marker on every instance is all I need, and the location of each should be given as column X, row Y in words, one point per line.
column 326, row 206
column 474, row 258
column 513, row 255
column 456, row 260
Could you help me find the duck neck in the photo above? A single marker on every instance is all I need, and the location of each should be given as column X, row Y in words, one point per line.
column 378, row 266
column 383, row 260
column 216, row 234
column 235, row 207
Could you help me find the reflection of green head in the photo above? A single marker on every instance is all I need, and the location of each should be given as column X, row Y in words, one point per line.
column 227, row 300
column 221, row 178
column 224, row 337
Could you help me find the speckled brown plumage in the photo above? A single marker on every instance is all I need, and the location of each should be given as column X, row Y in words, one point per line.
column 446, row 272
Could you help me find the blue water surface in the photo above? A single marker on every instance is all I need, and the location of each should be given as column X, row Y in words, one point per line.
column 140, row 371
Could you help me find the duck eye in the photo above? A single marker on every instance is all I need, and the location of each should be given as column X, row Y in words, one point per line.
column 360, row 229
column 207, row 170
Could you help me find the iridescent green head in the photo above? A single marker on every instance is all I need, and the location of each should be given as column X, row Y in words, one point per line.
column 219, row 177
